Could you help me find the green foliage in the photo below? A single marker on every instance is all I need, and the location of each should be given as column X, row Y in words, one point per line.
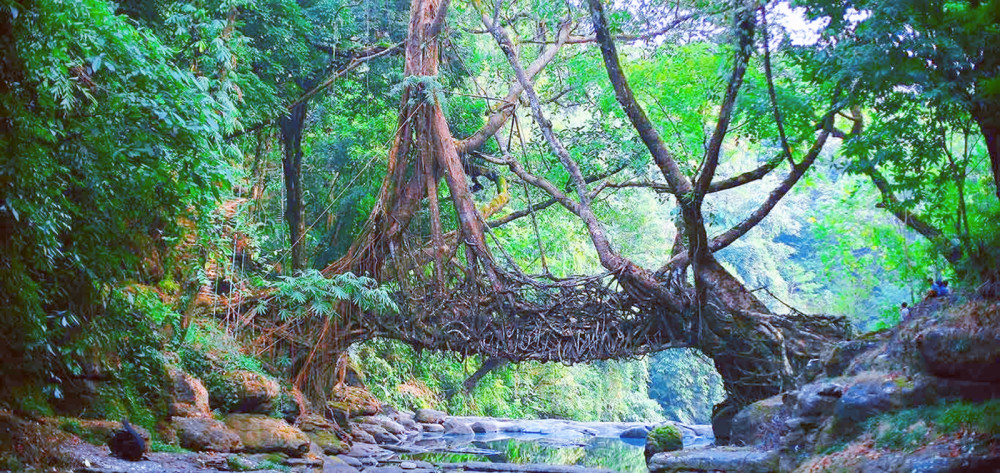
column 685, row 384
column 91, row 99
column 606, row 391
column 911, row 429
column 310, row 293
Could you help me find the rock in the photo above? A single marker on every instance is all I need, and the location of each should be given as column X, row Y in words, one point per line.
column 409, row 424
column 262, row 434
column 361, row 435
column 430, row 416
column 127, row 444
column 255, row 393
column 843, row 354
column 665, row 438
column 455, row 427
column 339, row 412
column 722, row 421
column 954, row 353
column 190, row 398
column 484, row 426
column 432, row 428
column 323, row 433
column 341, row 464
column 201, row 434
column 760, row 424
column 378, row 433
column 407, row 465
column 363, row 450
column 715, row 459
column 637, row 432
column 869, row 397
column 388, row 424
column 817, row 399
column 348, row 460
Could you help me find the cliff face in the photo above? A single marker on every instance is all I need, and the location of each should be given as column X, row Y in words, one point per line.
column 924, row 396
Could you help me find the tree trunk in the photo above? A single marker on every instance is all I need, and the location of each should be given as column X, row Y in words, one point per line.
column 291, row 138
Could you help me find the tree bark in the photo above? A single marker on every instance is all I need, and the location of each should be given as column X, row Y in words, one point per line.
column 291, row 161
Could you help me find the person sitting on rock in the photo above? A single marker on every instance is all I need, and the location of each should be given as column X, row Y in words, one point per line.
column 904, row 311
column 942, row 288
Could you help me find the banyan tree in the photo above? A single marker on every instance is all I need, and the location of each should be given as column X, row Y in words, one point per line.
column 460, row 291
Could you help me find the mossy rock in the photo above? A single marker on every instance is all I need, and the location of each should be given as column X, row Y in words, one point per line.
column 665, row 438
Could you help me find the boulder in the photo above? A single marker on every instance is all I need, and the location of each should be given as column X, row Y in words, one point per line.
column 722, row 420
column 760, row 424
column 637, row 432
column 954, row 353
column 323, row 433
column 340, row 465
column 843, row 354
column 430, row 416
column 455, row 427
column 869, row 397
column 818, row 399
column 432, row 428
column 255, row 393
column 484, row 427
column 665, row 438
column 378, row 433
column 339, row 412
column 386, row 423
column 361, row 435
column 190, row 398
column 262, row 434
column 742, row 460
column 202, row 434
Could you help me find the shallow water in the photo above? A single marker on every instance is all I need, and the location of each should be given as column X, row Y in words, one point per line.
column 612, row 452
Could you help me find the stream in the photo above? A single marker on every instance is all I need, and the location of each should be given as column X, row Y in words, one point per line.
column 616, row 446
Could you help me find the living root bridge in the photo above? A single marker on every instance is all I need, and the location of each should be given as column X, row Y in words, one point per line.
column 570, row 323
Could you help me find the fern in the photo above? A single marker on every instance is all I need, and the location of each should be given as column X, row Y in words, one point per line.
column 312, row 294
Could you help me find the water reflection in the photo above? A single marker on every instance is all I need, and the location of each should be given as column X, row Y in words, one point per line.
column 624, row 455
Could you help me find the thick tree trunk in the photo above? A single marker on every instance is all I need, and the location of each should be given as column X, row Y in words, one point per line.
column 291, row 138
column 988, row 119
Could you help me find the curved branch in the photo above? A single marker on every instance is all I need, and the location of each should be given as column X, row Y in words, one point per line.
column 747, row 177
column 728, row 237
column 505, row 108
column 745, row 29
column 678, row 182
column 912, row 220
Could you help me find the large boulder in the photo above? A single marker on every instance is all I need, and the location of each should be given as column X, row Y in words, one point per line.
column 190, row 398
column 202, row 434
column 955, row 353
column 664, row 438
column 263, row 434
column 760, row 424
column 430, row 416
column 255, row 393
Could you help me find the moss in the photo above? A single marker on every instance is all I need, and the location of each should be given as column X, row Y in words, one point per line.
column 158, row 446
column 910, row 429
column 665, row 438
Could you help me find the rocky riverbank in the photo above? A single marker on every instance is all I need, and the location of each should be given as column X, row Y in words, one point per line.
column 385, row 442
column 920, row 397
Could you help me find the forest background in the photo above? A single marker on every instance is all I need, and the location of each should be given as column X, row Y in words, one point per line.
column 156, row 149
